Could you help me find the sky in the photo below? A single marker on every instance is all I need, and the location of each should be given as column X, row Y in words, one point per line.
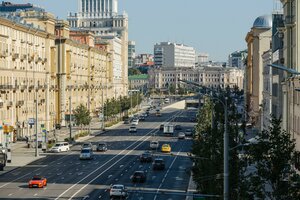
column 216, row 27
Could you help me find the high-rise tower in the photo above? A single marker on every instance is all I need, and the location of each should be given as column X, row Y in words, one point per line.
column 101, row 17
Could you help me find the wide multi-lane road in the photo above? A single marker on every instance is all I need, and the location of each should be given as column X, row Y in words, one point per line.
column 71, row 178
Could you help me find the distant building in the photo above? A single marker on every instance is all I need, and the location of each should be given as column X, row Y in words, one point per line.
column 202, row 58
column 168, row 54
column 258, row 41
column 131, row 53
column 208, row 76
column 11, row 7
column 139, row 82
column 237, row 58
column 144, row 59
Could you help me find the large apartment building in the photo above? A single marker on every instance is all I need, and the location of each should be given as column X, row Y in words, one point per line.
column 45, row 65
column 167, row 54
column 101, row 18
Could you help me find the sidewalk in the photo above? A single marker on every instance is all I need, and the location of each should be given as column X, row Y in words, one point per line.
column 192, row 188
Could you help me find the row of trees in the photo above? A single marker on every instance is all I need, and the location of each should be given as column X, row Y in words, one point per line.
column 264, row 171
column 114, row 106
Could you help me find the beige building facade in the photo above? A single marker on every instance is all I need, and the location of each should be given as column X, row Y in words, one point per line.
column 258, row 41
column 44, row 64
column 291, row 53
column 26, row 60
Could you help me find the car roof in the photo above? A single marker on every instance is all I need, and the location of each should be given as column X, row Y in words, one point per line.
column 139, row 172
column 118, row 185
column 158, row 159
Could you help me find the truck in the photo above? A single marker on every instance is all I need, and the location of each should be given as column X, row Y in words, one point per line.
column 169, row 129
column 3, row 159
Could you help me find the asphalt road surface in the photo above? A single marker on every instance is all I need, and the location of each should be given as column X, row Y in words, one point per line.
column 71, row 178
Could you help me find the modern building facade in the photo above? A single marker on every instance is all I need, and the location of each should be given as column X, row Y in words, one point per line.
column 142, row 59
column 258, row 41
column 167, row 54
column 131, row 54
column 237, row 59
column 101, row 18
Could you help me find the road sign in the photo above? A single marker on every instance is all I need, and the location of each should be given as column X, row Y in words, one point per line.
column 31, row 121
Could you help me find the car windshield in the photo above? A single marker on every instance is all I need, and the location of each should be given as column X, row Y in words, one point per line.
column 165, row 145
column 57, row 145
column 36, row 178
column 85, row 151
column 138, row 173
column 86, row 145
column 132, row 127
column 120, row 187
column 102, row 145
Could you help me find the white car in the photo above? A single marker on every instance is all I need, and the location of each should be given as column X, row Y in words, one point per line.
column 181, row 135
column 86, row 154
column 132, row 129
column 154, row 145
column 118, row 191
column 60, row 147
column 135, row 122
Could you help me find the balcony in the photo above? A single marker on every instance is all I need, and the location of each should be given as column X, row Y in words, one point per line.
column 20, row 103
column 9, row 104
column 4, row 54
column 23, row 57
column 15, row 56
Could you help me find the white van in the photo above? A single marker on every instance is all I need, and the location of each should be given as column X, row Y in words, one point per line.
column 60, row 146
column 167, row 100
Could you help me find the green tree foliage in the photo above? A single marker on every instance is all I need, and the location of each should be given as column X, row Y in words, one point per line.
column 208, row 143
column 82, row 115
column 272, row 159
column 133, row 71
column 114, row 106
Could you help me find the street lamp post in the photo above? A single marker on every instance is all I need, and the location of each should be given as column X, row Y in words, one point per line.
column 70, row 121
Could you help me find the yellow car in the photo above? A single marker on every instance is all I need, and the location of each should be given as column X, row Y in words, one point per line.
column 166, row 148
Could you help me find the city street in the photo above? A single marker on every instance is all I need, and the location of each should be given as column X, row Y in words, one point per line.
column 71, row 178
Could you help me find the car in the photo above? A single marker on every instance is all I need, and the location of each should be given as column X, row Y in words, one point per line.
column 188, row 132
column 181, row 135
column 118, row 190
column 158, row 163
column 37, row 181
column 146, row 157
column 132, row 129
column 161, row 127
column 126, row 121
column 158, row 114
column 87, row 145
column 142, row 118
column 139, row 177
column 135, row 122
column 86, row 154
column 167, row 100
column 154, row 144
column 101, row 147
column 178, row 127
column 60, row 147
column 166, row 148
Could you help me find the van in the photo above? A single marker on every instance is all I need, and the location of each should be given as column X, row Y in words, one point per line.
column 60, row 147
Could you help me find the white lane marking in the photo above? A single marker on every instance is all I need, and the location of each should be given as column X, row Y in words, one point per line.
column 35, row 194
column 121, row 174
column 158, row 189
column 10, row 194
column 121, row 166
column 109, row 176
column 147, row 136
column 17, row 179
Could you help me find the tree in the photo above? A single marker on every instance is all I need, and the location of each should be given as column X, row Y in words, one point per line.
column 82, row 116
column 172, row 88
column 133, row 71
column 273, row 158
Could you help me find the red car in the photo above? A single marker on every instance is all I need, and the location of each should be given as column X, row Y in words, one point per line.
column 37, row 181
